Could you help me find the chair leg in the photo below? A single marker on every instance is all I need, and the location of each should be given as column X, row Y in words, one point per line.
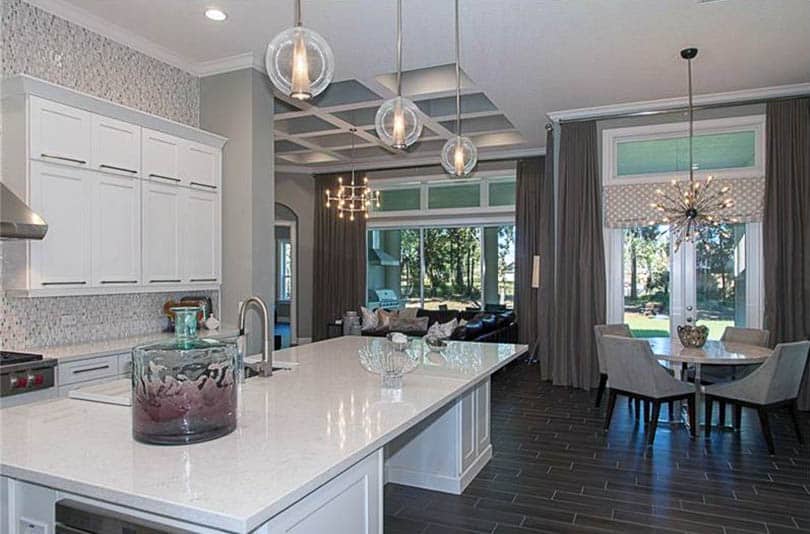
column 707, row 401
column 737, row 416
column 610, row 406
column 637, row 403
column 766, row 428
column 795, row 417
column 671, row 410
column 601, row 390
column 721, row 407
column 692, row 409
column 630, row 404
column 656, row 412
column 646, row 411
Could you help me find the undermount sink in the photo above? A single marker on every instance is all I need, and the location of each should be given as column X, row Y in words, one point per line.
column 250, row 372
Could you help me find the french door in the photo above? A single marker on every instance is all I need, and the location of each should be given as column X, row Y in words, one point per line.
column 716, row 282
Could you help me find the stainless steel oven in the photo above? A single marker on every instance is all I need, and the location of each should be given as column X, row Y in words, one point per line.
column 73, row 517
column 22, row 372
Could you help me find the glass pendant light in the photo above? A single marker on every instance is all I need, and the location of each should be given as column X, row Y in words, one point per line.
column 397, row 121
column 299, row 61
column 459, row 154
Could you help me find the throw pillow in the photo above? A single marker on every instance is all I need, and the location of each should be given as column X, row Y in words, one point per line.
column 442, row 330
column 416, row 326
column 408, row 313
column 384, row 317
column 370, row 318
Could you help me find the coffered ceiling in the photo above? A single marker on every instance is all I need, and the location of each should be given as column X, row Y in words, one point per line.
column 523, row 59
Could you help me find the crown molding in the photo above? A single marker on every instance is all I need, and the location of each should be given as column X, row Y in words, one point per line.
column 746, row 95
column 228, row 64
column 105, row 28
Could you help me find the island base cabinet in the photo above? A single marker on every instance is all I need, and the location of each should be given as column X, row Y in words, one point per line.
column 446, row 451
column 351, row 503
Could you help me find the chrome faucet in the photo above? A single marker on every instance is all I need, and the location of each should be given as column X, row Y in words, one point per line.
column 265, row 367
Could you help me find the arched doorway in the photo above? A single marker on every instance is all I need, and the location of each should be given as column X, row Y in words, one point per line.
column 286, row 304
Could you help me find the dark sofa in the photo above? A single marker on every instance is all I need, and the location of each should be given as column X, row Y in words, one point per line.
column 485, row 327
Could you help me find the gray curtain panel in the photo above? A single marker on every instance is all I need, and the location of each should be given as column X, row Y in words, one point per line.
column 534, row 235
column 579, row 303
column 786, row 226
column 339, row 263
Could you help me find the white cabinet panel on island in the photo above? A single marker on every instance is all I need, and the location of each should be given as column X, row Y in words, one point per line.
column 116, row 146
column 59, row 133
column 117, row 231
column 62, row 196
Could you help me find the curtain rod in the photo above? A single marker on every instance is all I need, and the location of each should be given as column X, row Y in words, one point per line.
column 680, row 109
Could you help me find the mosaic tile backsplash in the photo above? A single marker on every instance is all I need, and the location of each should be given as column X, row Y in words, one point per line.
column 47, row 321
column 42, row 45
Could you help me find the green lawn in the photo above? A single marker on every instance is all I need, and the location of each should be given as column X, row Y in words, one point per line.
column 642, row 326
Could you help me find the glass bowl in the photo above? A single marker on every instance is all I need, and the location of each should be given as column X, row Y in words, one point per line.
column 383, row 358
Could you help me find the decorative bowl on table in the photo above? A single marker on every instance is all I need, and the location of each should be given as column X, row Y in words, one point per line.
column 693, row 336
column 434, row 343
column 385, row 358
column 184, row 390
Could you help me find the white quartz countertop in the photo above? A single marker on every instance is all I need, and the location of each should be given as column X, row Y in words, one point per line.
column 297, row 430
column 113, row 346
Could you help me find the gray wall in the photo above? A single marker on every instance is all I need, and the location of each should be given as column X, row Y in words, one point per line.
column 238, row 105
column 297, row 192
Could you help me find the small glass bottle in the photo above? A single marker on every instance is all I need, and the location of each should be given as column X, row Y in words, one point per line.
column 185, row 390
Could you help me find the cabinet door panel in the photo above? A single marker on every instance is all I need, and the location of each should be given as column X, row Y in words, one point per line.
column 117, row 231
column 467, row 429
column 482, row 413
column 200, row 165
column 116, row 146
column 201, row 241
column 161, row 156
column 59, row 133
column 161, row 233
column 62, row 196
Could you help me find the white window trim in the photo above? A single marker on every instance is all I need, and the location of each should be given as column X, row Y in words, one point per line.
column 613, row 136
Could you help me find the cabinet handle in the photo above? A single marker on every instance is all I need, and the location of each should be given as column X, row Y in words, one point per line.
column 203, row 280
column 82, row 282
column 203, row 185
column 63, row 158
column 119, row 281
column 114, row 168
column 159, row 281
column 89, row 369
column 171, row 179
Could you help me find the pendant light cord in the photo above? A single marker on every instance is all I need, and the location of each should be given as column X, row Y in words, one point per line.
column 399, row 47
column 298, row 12
column 353, row 131
column 691, row 123
column 458, row 77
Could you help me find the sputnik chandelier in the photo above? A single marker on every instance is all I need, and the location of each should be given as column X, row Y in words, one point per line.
column 690, row 208
column 353, row 198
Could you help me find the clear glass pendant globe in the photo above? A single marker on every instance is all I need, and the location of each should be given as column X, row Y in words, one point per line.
column 397, row 123
column 459, row 156
column 300, row 62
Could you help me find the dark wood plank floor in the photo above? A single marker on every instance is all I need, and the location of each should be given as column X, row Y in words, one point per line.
column 555, row 470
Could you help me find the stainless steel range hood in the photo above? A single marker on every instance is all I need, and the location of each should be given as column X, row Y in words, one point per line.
column 18, row 221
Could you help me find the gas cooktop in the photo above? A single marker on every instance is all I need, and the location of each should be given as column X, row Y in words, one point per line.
column 13, row 358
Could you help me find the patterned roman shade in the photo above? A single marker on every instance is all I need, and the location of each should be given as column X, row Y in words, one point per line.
column 628, row 205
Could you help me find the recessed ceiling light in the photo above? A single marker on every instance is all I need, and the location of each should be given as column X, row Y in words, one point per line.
column 216, row 14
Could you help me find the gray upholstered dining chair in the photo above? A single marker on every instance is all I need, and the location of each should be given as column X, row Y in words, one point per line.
column 600, row 330
column 633, row 371
column 775, row 383
column 715, row 374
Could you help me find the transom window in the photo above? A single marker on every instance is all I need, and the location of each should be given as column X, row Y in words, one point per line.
column 732, row 147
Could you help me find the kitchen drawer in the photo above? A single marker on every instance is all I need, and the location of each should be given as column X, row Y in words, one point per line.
column 90, row 369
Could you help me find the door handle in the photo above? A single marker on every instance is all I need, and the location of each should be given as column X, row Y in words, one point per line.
column 171, row 179
column 114, row 168
column 64, row 158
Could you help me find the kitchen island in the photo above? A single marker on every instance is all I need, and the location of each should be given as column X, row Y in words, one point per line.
column 312, row 451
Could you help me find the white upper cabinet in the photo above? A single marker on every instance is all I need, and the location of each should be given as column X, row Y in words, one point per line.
column 117, row 231
column 200, row 165
column 59, row 133
column 62, row 196
column 116, row 146
column 161, row 156
column 162, row 212
column 201, row 237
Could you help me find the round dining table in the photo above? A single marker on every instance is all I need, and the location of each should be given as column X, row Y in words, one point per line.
column 712, row 353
